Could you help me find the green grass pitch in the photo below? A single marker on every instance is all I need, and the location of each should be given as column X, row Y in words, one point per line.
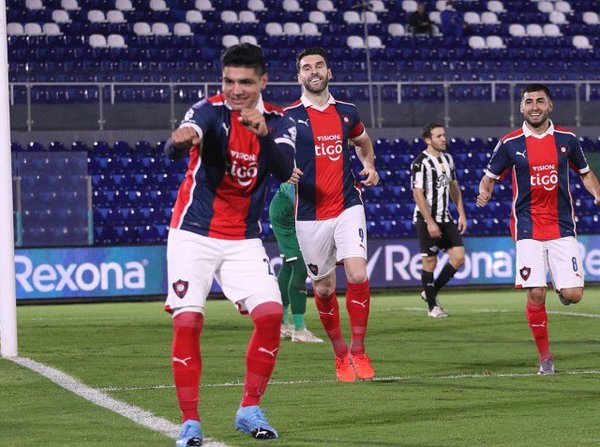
column 467, row 380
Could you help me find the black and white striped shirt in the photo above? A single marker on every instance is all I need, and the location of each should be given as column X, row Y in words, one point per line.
column 433, row 175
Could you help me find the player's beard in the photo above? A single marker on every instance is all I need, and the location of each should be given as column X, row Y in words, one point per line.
column 440, row 147
column 543, row 120
column 316, row 90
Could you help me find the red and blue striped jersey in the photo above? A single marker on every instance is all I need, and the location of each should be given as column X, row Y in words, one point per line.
column 223, row 192
column 328, row 185
column 542, row 207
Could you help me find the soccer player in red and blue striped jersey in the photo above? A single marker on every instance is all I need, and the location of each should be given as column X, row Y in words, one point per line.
column 539, row 157
column 330, row 217
column 234, row 140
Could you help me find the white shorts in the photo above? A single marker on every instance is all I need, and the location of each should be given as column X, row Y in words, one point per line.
column 325, row 242
column 241, row 268
column 561, row 257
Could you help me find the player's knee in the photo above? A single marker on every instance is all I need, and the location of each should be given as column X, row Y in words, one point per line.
column 267, row 313
column 357, row 277
column 574, row 295
column 537, row 294
column 458, row 262
column 429, row 263
column 324, row 291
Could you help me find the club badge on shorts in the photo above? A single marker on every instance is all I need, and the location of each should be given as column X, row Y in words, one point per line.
column 525, row 272
column 313, row 268
column 180, row 287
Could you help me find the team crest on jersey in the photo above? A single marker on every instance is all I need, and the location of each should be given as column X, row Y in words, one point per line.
column 442, row 181
column 313, row 268
column 563, row 150
column 525, row 272
column 180, row 287
column 346, row 120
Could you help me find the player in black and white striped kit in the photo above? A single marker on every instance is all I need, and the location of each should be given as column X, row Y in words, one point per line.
column 433, row 181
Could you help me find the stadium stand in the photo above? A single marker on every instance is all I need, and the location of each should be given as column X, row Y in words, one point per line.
column 134, row 185
column 559, row 39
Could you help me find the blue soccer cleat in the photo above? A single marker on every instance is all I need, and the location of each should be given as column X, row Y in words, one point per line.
column 546, row 367
column 252, row 420
column 190, row 434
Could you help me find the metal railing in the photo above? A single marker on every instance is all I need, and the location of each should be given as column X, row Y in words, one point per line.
column 583, row 93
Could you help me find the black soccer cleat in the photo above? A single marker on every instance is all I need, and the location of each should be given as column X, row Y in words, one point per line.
column 263, row 433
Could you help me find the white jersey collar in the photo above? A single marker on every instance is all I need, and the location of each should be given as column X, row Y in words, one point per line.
column 529, row 133
column 307, row 103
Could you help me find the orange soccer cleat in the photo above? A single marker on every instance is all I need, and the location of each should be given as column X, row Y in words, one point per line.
column 362, row 366
column 343, row 368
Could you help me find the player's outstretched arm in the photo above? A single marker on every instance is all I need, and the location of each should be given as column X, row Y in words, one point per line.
column 278, row 150
column 366, row 154
column 181, row 141
column 486, row 188
column 254, row 121
column 590, row 181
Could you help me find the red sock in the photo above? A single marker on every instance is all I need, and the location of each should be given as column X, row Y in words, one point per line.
column 538, row 323
column 329, row 313
column 358, row 298
column 262, row 351
column 187, row 362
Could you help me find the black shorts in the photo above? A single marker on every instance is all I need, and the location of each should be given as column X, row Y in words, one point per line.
column 431, row 246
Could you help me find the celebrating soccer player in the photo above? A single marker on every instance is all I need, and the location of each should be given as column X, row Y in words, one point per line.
column 538, row 157
column 330, row 216
column 234, row 140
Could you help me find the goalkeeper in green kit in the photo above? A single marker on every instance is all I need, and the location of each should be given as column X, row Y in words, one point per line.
column 292, row 275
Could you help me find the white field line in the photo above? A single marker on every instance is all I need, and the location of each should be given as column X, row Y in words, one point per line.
column 376, row 379
column 391, row 378
column 100, row 398
column 167, row 428
column 492, row 311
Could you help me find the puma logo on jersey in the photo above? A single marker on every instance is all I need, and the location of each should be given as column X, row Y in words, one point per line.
column 266, row 351
column 363, row 303
column 182, row 361
column 304, row 122
column 522, row 154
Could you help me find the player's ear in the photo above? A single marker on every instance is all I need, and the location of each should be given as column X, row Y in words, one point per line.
column 329, row 74
column 550, row 106
column 263, row 80
column 521, row 106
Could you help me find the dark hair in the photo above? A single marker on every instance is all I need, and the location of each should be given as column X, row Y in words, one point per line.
column 536, row 88
column 318, row 51
column 428, row 128
column 244, row 55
